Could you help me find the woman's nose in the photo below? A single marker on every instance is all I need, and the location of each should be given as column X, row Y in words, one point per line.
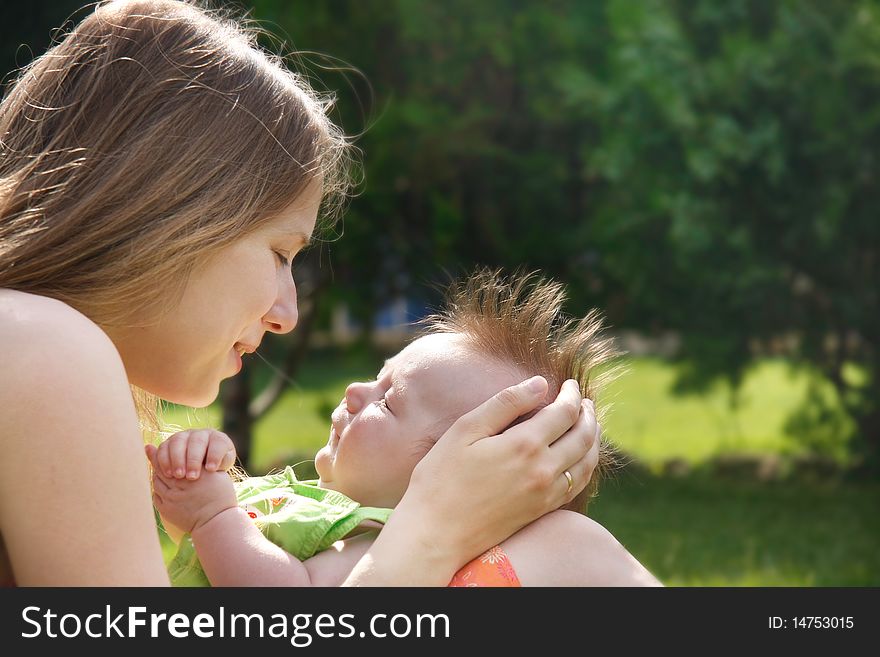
column 358, row 395
column 284, row 313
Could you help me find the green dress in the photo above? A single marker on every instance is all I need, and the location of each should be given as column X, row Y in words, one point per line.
column 298, row 516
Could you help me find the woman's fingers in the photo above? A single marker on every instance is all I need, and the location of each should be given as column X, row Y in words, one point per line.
column 580, row 439
column 565, row 490
column 558, row 417
column 593, row 454
column 577, row 452
column 492, row 416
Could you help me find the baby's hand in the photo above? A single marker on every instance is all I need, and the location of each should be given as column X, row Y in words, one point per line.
column 183, row 454
column 187, row 505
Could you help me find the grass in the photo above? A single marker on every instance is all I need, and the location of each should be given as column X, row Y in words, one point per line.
column 697, row 530
column 702, row 531
column 650, row 423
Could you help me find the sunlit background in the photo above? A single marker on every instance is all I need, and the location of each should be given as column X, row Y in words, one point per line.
column 703, row 171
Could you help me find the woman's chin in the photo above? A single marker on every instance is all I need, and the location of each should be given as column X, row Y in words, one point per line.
column 192, row 398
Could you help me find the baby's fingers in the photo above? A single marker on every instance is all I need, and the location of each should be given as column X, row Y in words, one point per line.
column 153, row 457
column 163, row 460
column 221, row 452
column 196, row 449
column 160, row 486
column 173, row 453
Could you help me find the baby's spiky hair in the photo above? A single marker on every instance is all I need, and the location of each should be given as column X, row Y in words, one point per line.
column 518, row 320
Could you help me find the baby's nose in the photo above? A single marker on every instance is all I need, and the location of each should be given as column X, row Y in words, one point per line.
column 356, row 396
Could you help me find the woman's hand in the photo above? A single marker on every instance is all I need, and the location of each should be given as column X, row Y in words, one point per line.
column 495, row 484
column 479, row 485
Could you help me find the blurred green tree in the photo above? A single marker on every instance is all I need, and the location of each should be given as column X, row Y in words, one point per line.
column 739, row 141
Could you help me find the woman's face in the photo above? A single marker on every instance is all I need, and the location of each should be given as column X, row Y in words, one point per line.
column 230, row 301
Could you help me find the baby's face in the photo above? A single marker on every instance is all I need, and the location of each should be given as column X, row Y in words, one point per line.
column 382, row 428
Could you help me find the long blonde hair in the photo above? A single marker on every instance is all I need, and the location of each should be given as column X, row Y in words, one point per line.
column 152, row 134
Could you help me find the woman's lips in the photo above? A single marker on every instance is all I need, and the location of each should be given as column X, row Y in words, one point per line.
column 240, row 349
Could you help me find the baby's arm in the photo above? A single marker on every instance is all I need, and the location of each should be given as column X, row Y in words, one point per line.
column 333, row 566
column 185, row 453
column 564, row 548
column 234, row 552
column 230, row 547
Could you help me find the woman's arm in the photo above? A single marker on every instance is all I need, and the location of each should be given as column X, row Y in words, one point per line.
column 74, row 487
column 564, row 548
column 477, row 487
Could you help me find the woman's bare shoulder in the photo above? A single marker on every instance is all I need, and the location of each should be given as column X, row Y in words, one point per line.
column 559, row 529
column 51, row 349
column 73, row 457
column 22, row 313
column 43, row 334
column 564, row 548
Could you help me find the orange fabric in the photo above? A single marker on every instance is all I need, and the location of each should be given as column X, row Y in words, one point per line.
column 492, row 568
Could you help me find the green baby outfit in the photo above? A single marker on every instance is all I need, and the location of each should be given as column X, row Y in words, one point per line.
column 298, row 516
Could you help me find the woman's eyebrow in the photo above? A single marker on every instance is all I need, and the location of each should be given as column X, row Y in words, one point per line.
column 297, row 235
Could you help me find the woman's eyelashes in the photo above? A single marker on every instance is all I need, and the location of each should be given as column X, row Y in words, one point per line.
column 286, row 257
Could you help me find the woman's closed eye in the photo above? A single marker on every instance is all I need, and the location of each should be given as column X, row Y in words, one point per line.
column 283, row 259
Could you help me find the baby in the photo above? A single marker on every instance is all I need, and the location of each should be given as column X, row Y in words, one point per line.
column 493, row 334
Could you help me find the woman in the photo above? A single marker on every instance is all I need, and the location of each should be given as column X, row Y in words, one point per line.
column 158, row 174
